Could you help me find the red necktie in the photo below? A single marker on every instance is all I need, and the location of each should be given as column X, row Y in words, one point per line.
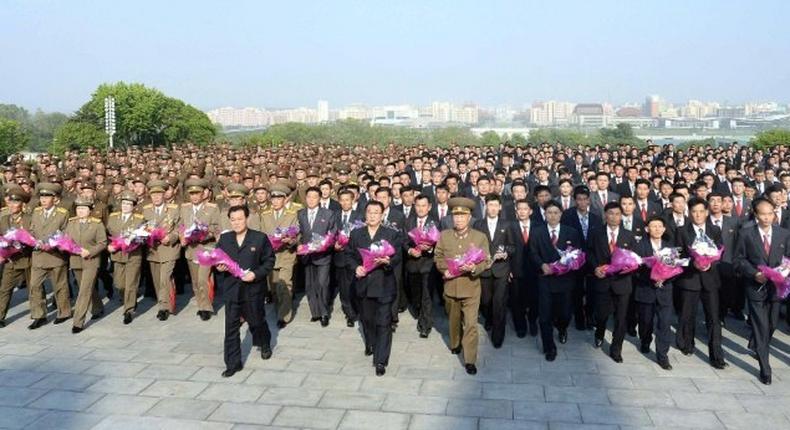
column 419, row 224
column 554, row 237
column 525, row 233
column 766, row 245
column 564, row 204
column 644, row 213
column 612, row 242
column 441, row 212
column 738, row 207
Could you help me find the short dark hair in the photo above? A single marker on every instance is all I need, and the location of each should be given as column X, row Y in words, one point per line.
column 696, row 201
column 656, row 218
column 581, row 190
column 387, row 190
column 759, row 200
column 375, row 203
column 612, row 205
column 493, row 198
column 313, row 190
column 551, row 203
column 422, row 197
column 237, row 208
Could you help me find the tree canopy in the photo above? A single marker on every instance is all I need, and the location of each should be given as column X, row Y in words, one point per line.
column 13, row 138
column 39, row 127
column 770, row 138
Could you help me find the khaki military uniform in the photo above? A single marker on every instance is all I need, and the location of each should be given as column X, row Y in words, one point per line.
column 462, row 294
column 126, row 267
column 91, row 236
column 17, row 269
column 207, row 213
column 48, row 264
column 281, row 278
column 162, row 258
column 253, row 221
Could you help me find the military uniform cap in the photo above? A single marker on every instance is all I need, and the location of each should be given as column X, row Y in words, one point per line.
column 282, row 172
column 89, row 184
column 16, row 193
column 156, row 186
column 343, row 170
column 237, row 190
column 313, row 172
column 172, row 181
column 280, row 189
column 49, row 189
column 117, row 180
column 260, row 186
column 83, row 201
column 461, row 205
column 194, row 185
column 129, row 196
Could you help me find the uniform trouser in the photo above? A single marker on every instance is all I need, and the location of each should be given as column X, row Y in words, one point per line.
column 764, row 316
column 87, row 294
column 377, row 327
column 344, row 279
column 12, row 278
column 647, row 312
column 127, row 279
column 162, row 275
column 104, row 272
column 494, row 305
column 254, row 312
column 555, row 310
column 317, row 289
column 688, row 321
column 607, row 303
column 462, row 313
column 419, row 283
column 60, row 288
column 199, row 275
column 280, row 282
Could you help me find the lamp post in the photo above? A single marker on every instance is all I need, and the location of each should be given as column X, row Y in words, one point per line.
column 109, row 117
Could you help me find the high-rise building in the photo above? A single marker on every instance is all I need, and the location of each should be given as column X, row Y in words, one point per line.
column 652, row 107
column 323, row 111
column 551, row 113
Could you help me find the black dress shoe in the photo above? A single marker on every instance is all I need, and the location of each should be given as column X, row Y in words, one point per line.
column 765, row 379
column 471, row 369
column 738, row 315
column 61, row 320
column 489, row 326
column 162, row 315
column 368, row 351
column 722, row 322
column 76, row 330
column 2, row 323
column 645, row 348
column 719, row 364
column 230, row 372
column 37, row 323
column 551, row 355
column 267, row 299
column 97, row 316
column 563, row 336
column 424, row 334
column 110, row 293
column 314, row 319
column 665, row 364
column 380, row 370
column 324, row 321
column 631, row 331
column 281, row 324
column 456, row 350
column 617, row 358
column 402, row 309
column 127, row 318
column 349, row 322
column 598, row 342
column 266, row 353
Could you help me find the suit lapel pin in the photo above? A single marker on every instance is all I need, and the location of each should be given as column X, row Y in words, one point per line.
column 252, row 248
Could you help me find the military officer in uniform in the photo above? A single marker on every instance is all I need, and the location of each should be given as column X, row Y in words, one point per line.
column 281, row 278
column 16, row 269
column 162, row 256
column 45, row 221
column 126, row 266
column 89, row 233
column 200, row 210
column 462, row 293
column 237, row 196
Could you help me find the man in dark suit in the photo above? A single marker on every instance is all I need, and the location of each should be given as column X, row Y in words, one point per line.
column 419, row 266
column 675, row 216
column 314, row 219
column 565, row 199
column 554, row 290
column 586, row 223
column 326, row 201
column 406, row 207
column 628, row 186
column 611, row 292
column 646, row 207
column 542, row 196
column 440, row 210
column 699, row 283
column 633, row 223
column 341, row 261
column 731, row 295
column 244, row 297
column 524, row 285
column 493, row 297
column 600, row 198
column 775, row 194
column 762, row 244
column 654, row 299
column 741, row 205
column 395, row 220
column 376, row 288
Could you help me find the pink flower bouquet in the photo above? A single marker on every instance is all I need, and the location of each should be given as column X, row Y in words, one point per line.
column 379, row 249
column 474, row 255
column 130, row 240
column 780, row 276
column 344, row 235
column 571, row 259
column 705, row 252
column 428, row 235
column 317, row 244
column 14, row 241
column 215, row 257
column 623, row 261
column 195, row 233
column 155, row 236
column 666, row 264
column 61, row 242
column 280, row 233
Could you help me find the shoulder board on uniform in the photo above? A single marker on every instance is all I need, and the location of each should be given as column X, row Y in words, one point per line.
column 211, row 205
column 94, row 220
column 61, row 210
column 74, row 218
column 266, row 212
column 38, row 209
column 138, row 216
column 115, row 214
column 172, row 205
column 148, row 206
column 292, row 211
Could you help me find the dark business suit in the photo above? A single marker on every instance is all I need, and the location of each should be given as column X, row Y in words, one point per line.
column 637, row 227
column 596, row 205
column 396, row 221
column 376, row 290
column 317, row 265
column 419, row 274
column 612, row 292
column 524, row 286
column 732, row 295
column 493, row 281
column 554, row 291
column 583, row 312
column 697, row 286
column 343, row 266
column 763, row 302
column 331, row 204
column 652, row 301
column 245, row 299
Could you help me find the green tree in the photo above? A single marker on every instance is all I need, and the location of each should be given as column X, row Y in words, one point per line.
column 13, row 138
column 77, row 135
column 771, row 138
column 490, row 138
column 518, row 139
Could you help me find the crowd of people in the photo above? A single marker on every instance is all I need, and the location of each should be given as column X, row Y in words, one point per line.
column 518, row 208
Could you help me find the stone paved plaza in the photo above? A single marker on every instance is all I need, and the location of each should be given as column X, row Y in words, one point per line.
column 167, row 375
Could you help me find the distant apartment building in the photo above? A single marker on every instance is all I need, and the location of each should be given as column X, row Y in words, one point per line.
column 551, row 113
column 590, row 115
